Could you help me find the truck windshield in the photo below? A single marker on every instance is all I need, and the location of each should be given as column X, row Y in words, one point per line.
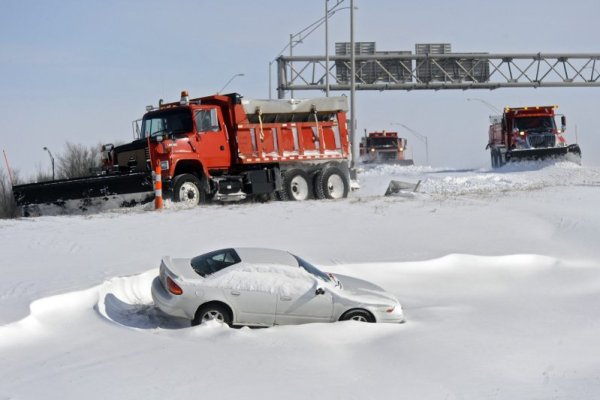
column 167, row 122
column 534, row 123
column 382, row 142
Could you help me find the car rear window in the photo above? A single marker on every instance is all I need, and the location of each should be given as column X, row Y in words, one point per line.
column 209, row 263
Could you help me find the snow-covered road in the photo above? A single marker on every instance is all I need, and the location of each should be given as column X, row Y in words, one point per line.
column 498, row 272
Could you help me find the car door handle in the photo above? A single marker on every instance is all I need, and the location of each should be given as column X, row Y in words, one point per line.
column 285, row 298
column 234, row 293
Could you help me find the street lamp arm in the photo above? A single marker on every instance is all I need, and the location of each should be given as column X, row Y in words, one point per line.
column 485, row 103
column 229, row 81
column 51, row 159
column 420, row 136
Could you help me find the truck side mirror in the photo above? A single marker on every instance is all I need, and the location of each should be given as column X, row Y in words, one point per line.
column 563, row 122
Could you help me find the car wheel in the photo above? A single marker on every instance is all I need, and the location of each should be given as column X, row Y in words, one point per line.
column 212, row 312
column 357, row 315
column 187, row 189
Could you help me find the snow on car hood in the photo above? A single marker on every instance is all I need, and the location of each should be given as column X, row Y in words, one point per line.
column 362, row 291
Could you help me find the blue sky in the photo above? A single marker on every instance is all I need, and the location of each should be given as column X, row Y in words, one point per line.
column 83, row 70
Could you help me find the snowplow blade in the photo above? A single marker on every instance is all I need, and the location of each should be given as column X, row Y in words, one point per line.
column 399, row 186
column 571, row 153
column 102, row 186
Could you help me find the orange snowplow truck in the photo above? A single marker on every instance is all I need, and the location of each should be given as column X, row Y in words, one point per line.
column 220, row 147
column 529, row 133
column 384, row 147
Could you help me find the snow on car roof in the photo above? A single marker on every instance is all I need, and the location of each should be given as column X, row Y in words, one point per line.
column 256, row 255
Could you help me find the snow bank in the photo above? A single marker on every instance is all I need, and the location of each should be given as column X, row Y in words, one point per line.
column 500, row 294
column 444, row 182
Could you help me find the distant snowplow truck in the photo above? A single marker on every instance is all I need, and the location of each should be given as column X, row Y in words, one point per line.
column 220, row 147
column 384, row 148
column 529, row 133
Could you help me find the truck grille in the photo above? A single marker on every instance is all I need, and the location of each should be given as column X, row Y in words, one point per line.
column 541, row 140
column 387, row 155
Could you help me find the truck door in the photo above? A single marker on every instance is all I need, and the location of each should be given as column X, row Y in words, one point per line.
column 212, row 138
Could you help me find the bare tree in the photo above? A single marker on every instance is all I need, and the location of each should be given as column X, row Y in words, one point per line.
column 77, row 161
column 42, row 175
column 8, row 206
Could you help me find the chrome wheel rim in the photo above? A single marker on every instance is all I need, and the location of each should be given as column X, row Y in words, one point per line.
column 299, row 187
column 359, row 318
column 335, row 186
column 213, row 315
column 189, row 194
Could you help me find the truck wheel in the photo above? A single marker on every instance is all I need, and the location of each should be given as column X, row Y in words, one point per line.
column 187, row 189
column 494, row 158
column 331, row 183
column 296, row 186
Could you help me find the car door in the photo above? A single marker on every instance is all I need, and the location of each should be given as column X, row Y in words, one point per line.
column 299, row 307
column 253, row 303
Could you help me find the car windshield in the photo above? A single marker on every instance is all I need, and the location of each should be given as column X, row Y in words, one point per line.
column 167, row 122
column 209, row 263
column 311, row 269
column 534, row 123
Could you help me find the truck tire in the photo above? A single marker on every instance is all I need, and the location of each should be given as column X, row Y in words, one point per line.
column 331, row 183
column 187, row 189
column 296, row 186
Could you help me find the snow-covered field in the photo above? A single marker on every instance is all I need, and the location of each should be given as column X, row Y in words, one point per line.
column 498, row 273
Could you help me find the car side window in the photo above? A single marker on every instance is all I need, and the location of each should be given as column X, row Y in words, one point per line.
column 209, row 263
column 207, row 120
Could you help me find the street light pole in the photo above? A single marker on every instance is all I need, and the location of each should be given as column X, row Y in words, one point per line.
column 326, row 49
column 51, row 159
column 352, row 85
column 419, row 136
column 229, row 81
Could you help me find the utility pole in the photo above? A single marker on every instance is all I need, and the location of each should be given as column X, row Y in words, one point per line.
column 352, row 85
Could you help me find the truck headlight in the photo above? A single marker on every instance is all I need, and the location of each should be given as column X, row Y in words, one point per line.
column 164, row 165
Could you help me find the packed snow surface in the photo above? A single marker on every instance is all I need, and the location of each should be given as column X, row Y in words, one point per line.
column 498, row 272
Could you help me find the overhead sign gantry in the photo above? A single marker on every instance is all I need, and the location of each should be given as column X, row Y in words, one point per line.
column 434, row 67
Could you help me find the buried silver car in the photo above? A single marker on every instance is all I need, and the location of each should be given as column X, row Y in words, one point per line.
column 265, row 287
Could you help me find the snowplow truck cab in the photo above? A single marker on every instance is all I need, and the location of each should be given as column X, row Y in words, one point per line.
column 529, row 133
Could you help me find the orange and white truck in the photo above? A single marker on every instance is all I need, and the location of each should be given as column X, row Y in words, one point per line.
column 220, row 147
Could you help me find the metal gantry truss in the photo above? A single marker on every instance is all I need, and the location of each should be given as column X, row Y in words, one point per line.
column 439, row 71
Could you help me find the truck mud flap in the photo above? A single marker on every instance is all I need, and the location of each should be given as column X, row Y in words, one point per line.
column 571, row 153
column 59, row 191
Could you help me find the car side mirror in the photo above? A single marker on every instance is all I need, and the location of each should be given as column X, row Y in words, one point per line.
column 319, row 291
